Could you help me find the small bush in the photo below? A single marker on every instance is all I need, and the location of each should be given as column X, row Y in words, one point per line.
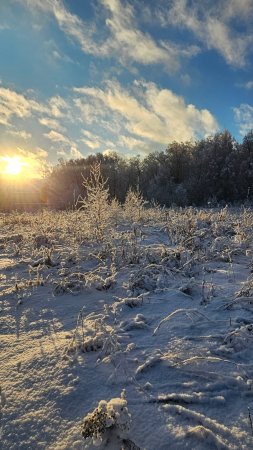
column 108, row 424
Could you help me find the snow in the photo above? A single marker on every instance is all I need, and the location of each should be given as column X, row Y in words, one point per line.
column 153, row 326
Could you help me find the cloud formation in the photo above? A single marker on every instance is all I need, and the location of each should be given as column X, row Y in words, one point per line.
column 51, row 123
column 248, row 85
column 244, row 118
column 154, row 114
column 13, row 104
column 20, row 134
column 54, row 136
column 212, row 23
column 124, row 38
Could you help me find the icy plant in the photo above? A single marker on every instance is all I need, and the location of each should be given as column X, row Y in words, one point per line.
column 129, row 250
column 246, row 289
column 107, row 426
column 131, row 302
column 149, row 278
column 66, row 286
column 93, row 280
column 45, row 260
column 96, row 204
column 41, row 241
column 115, row 212
column 151, row 361
column 193, row 314
column 134, row 204
column 137, row 323
column 92, row 334
column 240, row 338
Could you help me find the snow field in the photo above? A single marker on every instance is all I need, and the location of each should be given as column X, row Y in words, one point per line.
column 151, row 315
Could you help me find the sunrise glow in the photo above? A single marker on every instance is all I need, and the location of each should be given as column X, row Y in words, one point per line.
column 19, row 168
column 13, row 166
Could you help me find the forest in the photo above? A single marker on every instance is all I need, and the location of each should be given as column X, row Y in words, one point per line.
column 213, row 171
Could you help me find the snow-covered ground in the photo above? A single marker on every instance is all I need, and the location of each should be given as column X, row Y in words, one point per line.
column 156, row 319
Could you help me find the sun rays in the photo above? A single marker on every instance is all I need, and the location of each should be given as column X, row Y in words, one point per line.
column 13, row 166
column 19, row 168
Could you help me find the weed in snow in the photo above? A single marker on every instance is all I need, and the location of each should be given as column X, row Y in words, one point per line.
column 107, row 427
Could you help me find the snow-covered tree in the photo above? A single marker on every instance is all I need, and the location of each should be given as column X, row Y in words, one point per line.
column 96, row 203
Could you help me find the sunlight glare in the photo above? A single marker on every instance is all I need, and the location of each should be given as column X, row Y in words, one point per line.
column 13, row 166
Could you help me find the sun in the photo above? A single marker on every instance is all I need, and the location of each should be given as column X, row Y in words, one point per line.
column 13, row 165
column 16, row 168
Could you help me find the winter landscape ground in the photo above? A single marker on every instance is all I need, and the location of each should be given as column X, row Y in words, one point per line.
column 133, row 331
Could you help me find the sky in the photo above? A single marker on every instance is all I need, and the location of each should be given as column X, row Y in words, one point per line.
column 79, row 77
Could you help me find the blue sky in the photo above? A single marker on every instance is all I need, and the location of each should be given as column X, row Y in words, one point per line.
column 85, row 76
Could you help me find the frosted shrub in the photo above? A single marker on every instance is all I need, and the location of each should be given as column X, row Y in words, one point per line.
column 239, row 339
column 129, row 250
column 92, row 334
column 115, row 212
column 149, row 278
column 41, row 241
column 108, row 425
column 246, row 289
column 96, row 204
column 133, row 206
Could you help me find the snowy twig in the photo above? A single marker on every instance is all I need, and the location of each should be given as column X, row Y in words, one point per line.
column 186, row 311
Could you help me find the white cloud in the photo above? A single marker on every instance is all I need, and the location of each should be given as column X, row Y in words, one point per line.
column 89, row 134
column 13, row 104
column 40, row 153
column 94, row 141
column 57, row 137
column 51, row 123
column 61, row 57
column 153, row 114
column 4, row 26
column 244, row 118
column 131, row 44
column 131, row 143
column 58, row 106
column 37, row 154
column 132, row 146
column 94, row 145
column 69, row 150
column 72, row 153
column 20, row 134
column 233, row 9
column 124, row 40
column 75, row 153
column 62, row 154
column 213, row 24
column 248, row 85
column 91, row 140
column 93, row 113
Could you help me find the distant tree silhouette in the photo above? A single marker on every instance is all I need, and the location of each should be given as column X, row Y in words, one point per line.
column 213, row 169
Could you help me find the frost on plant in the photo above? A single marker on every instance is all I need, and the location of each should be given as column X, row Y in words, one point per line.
column 133, row 206
column 239, row 339
column 96, row 203
column 108, row 425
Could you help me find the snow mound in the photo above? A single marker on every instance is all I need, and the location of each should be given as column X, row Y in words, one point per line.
column 239, row 339
column 207, row 437
column 150, row 278
column 108, row 425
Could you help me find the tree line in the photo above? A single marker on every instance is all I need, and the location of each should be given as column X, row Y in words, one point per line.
column 210, row 171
